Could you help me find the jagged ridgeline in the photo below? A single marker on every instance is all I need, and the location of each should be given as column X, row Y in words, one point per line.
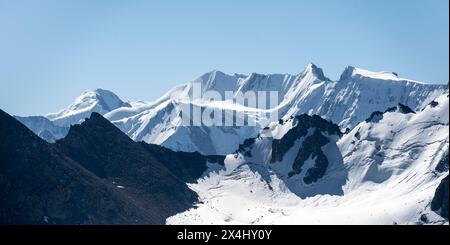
column 306, row 135
column 346, row 102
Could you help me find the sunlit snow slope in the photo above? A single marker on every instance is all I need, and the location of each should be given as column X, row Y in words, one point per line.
column 384, row 171
column 345, row 102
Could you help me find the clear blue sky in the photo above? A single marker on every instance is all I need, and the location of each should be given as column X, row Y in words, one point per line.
column 51, row 51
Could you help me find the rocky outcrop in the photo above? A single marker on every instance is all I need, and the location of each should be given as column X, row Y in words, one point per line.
column 375, row 117
column 302, row 124
column 442, row 166
column 440, row 199
column 312, row 149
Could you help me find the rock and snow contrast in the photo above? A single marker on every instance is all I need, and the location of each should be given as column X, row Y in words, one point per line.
column 55, row 126
column 384, row 171
column 369, row 148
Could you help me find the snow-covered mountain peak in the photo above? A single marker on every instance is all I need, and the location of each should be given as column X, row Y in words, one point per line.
column 316, row 71
column 109, row 101
column 97, row 100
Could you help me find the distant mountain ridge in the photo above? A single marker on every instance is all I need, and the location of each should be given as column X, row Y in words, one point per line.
column 391, row 168
column 345, row 102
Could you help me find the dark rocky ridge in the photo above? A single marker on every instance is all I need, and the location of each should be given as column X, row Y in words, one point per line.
column 311, row 146
column 442, row 166
column 102, row 148
column 375, row 117
column 404, row 109
column 41, row 185
column 96, row 175
column 440, row 199
column 186, row 165
column 303, row 123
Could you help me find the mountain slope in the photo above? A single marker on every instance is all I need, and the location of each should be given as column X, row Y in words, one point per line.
column 55, row 126
column 386, row 170
column 41, row 185
column 106, row 151
column 345, row 102
column 95, row 175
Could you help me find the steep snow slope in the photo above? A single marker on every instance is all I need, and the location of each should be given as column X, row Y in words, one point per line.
column 163, row 125
column 388, row 175
column 356, row 94
column 346, row 102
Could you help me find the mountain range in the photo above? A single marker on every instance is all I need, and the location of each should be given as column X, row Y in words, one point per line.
column 345, row 102
column 369, row 148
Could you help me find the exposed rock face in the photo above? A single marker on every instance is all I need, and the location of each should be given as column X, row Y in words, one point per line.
column 303, row 123
column 434, row 104
column 376, row 116
column 311, row 148
column 440, row 200
column 442, row 166
column 404, row 109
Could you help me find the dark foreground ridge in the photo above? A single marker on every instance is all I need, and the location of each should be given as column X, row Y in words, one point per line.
column 96, row 175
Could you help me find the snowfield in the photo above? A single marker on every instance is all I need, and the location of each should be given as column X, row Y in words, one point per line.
column 389, row 170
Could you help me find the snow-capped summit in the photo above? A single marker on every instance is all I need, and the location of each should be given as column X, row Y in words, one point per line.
column 354, row 73
column 316, row 71
column 359, row 92
column 98, row 100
